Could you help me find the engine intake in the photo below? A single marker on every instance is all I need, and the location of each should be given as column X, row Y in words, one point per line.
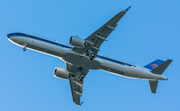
column 61, row 73
column 77, row 42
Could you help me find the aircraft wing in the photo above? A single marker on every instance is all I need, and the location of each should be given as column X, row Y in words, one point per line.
column 76, row 81
column 100, row 35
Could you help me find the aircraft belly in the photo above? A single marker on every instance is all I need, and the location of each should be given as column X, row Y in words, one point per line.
column 48, row 48
column 81, row 61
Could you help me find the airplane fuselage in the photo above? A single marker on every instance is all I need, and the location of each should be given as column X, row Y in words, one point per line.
column 65, row 53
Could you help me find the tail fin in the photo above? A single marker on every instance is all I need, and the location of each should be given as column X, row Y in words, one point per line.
column 154, row 64
column 157, row 67
column 161, row 68
column 153, row 85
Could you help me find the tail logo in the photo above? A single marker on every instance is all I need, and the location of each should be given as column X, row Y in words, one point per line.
column 154, row 65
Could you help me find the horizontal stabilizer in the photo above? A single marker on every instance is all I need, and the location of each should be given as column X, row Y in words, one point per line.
column 161, row 68
column 153, row 85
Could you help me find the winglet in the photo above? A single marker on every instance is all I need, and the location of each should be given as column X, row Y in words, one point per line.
column 128, row 8
column 81, row 103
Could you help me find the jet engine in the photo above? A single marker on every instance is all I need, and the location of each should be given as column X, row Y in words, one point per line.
column 77, row 42
column 61, row 73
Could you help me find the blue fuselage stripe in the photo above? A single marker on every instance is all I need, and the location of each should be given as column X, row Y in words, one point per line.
column 64, row 46
column 41, row 39
column 112, row 60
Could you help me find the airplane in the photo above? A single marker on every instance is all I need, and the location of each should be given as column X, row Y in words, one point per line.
column 82, row 55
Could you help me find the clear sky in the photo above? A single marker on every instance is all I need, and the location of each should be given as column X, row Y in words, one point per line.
column 149, row 31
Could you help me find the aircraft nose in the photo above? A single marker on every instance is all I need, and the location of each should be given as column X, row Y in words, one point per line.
column 12, row 39
column 10, row 36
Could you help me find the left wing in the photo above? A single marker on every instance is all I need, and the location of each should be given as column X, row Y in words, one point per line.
column 95, row 40
column 76, row 81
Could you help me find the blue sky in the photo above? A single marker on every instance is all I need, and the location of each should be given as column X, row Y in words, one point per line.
column 149, row 31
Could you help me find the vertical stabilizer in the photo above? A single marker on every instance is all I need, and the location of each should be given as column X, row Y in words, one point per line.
column 161, row 68
column 153, row 85
column 154, row 64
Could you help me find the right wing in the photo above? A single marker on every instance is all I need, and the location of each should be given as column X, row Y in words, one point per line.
column 100, row 35
column 76, row 81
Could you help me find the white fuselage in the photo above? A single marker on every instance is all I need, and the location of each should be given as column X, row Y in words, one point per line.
column 65, row 53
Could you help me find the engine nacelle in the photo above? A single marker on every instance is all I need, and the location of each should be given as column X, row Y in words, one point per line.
column 61, row 73
column 77, row 42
